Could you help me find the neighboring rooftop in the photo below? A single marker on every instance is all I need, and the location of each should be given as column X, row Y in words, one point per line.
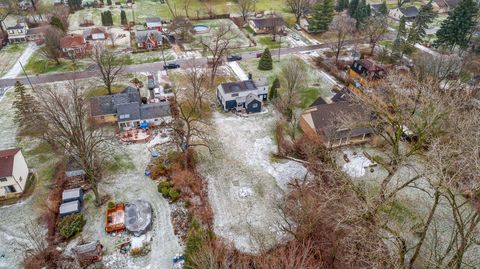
column 409, row 12
column 142, row 35
column 107, row 104
column 153, row 20
column 7, row 158
column 154, row 110
column 18, row 26
column 72, row 41
column 268, row 22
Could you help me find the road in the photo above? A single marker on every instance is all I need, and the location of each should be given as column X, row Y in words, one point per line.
column 147, row 67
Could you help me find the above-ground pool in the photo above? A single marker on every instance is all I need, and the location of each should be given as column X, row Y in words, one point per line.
column 200, row 28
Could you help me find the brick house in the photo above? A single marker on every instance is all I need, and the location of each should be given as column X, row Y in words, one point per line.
column 148, row 39
column 74, row 46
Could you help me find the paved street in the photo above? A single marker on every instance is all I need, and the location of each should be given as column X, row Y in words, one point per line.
column 148, row 67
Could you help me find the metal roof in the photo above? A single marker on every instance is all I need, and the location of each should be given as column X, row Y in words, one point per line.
column 72, row 194
column 70, row 207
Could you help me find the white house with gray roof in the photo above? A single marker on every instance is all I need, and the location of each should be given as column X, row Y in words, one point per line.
column 240, row 95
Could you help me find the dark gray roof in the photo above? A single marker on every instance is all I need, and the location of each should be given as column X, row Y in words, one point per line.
column 70, row 207
column 128, row 112
column 107, row 104
column 409, row 12
column 268, row 22
column 239, row 86
column 72, row 194
column 250, row 98
column 155, row 110
column 153, row 19
column 142, row 35
column 18, row 26
column 318, row 101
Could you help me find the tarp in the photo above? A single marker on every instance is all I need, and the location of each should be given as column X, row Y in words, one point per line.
column 138, row 217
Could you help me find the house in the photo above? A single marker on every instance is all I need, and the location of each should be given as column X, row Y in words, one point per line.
column 324, row 120
column 410, row 13
column 247, row 94
column 376, row 9
column 95, row 34
column 367, row 70
column 74, row 46
column 444, row 6
column 148, row 39
column 36, row 34
column 267, row 24
column 127, row 110
column 17, row 33
column 154, row 23
column 13, row 172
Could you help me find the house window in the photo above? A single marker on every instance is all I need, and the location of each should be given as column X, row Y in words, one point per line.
column 10, row 189
column 20, row 179
column 11, row 32
column 20, row 31
column 3, row 179
column 255, row 105
column 124, row 116
column 149, row 46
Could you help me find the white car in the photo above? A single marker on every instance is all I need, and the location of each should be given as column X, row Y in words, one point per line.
column 296, row 37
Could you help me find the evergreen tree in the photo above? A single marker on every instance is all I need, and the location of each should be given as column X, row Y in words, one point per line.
column 266, row 62
column 109, row 2
column 273, row 93
column 341, row 5
column 457, row 29
column 57, row 23
column 402, row 29
column 322, row 16
column 352, row 7
column 361, row 13
column 383, row 9
column 420, row 24
column 107, row 19
column 23, row 104
column 123, row 17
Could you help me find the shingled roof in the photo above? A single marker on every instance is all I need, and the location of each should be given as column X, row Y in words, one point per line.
column 155, row 110
column 107, row 104
column 72, row 41
column 7, row 158
column 268, row 22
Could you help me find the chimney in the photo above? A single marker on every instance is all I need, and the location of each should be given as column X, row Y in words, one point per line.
column 250, row 77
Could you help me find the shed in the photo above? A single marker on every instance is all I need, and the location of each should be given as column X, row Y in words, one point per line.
column 72, row 195
column 70, row 208
column 88, row 252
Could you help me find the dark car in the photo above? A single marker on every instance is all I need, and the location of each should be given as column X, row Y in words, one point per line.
column 234, row 57
column 171, row 66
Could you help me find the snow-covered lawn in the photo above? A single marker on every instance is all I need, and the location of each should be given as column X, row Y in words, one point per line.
column 23, row 59
column 238, row 70
column 244, row 183
column 126, row 186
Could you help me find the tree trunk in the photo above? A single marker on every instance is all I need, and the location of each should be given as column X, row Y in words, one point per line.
column 109, row 88
column 373, row 48
column 1, row 27
column 424, row 231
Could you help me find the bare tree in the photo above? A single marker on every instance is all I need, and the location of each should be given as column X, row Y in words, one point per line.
column 51, row 50
column 190, row 111
column 245, row 7
column 342, row 26
column 299, row 7
column 218, row 45
column 108, row 64
column 172, row 7
column 375, row 28
column 113, row 37
column 181, row 26
column 439, row 70
column 294, row 76
column 186, row 6
column 66, row 118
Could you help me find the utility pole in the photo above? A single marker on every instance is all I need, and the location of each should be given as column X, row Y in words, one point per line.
column 280, row 47
column 25, row 73
column 163, row 57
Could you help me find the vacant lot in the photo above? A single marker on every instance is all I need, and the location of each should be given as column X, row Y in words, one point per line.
column 244, row 183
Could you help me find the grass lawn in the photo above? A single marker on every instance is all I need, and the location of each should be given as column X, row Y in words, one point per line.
column 148, row 57
column 37, row 65
column 240, row 39
column 267, row 42
column 102, row 90
column 9, row 56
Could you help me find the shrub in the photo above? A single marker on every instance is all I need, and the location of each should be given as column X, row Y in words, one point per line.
column 173, row 194
column 111, row 205
column 71, row 225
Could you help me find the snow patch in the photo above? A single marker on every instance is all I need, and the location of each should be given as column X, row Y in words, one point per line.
column 357, row 165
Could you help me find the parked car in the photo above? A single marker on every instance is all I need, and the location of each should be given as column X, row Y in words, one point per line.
column 296, row 37
column 151, row 82
column 171, row 66
column 297, row 27
column 259, row 54
column 157, row 92
column 234, row 57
